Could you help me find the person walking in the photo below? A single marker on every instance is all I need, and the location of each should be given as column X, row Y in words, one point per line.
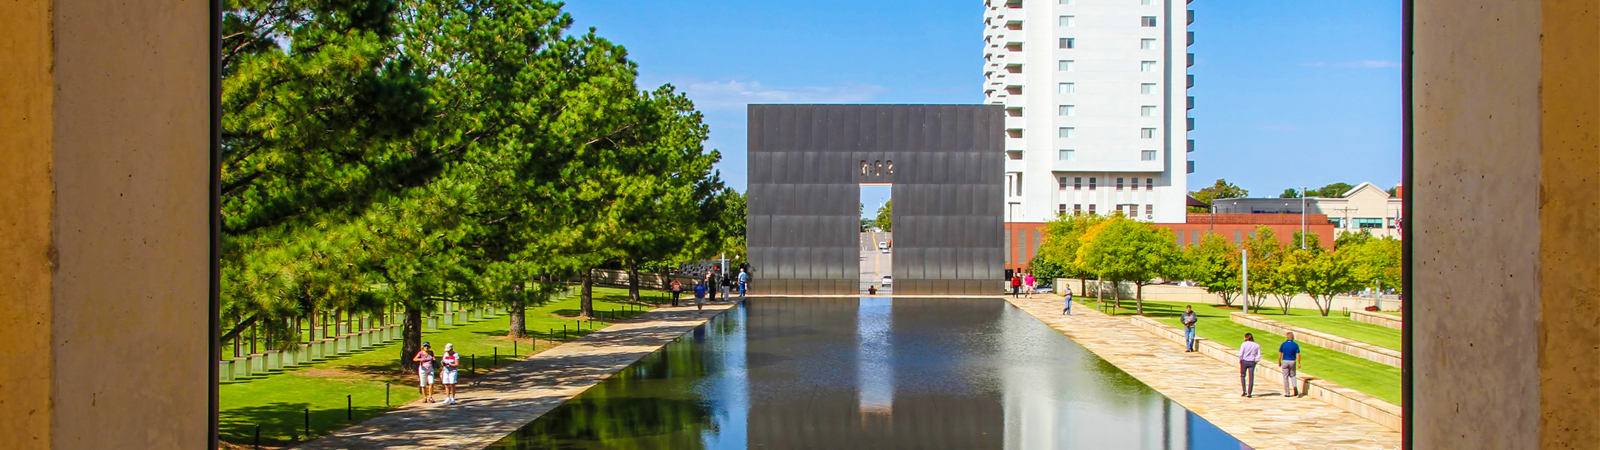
column 1029, row 282
column 1249, row 355
column 1289, row 360
column 677, row 290
column 447, row 372
column 699, row 294
column 424, row 360
column 1189, row 319
column 711, row 284
column 1016, row 284
column 744, row 283
column 1068, row 295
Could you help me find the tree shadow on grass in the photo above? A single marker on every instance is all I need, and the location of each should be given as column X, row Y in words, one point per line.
column 284, row 423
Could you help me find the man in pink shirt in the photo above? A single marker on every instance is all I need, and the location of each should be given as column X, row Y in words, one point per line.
column 1249, row 355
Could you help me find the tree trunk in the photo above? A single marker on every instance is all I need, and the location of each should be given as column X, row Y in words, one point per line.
column 411, row 341
column 586, row 302
column 519, row 319
column 1138, row 297
column 633, row 281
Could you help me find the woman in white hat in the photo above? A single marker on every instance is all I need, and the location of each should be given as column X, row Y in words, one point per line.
column 447, row 376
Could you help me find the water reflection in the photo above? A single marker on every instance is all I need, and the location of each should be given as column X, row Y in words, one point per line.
column 871, row 373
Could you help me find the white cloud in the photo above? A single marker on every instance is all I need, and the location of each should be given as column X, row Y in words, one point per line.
column 735, row 94
column 1365, row 64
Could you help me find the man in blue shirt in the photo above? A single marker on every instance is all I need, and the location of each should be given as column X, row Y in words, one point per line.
column 744, row 283
column 1289, row 359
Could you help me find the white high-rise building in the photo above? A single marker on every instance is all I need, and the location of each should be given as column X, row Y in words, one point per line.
column 1096, row 103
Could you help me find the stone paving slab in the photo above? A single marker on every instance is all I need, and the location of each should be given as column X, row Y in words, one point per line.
column 1210, row 388
column 506, row 399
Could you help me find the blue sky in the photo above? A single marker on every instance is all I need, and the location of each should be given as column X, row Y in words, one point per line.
column 1286, row 93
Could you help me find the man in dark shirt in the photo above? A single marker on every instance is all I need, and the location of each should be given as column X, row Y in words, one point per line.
column 1289, row 359
column 1189, row 319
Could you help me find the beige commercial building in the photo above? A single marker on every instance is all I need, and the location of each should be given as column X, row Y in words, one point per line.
column 1364, row 207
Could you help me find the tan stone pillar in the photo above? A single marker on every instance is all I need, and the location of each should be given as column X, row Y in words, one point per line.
column 104, row 224
column 1505, row 314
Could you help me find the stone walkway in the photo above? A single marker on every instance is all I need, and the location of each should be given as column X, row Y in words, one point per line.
column 1209, row 387
column 506, row 399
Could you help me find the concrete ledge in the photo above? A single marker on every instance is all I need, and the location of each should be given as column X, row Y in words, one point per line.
column 1363, row 405
column 1379, row 319
column 1339, row 344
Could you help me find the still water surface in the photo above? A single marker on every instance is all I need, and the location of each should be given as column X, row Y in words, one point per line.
column 871, row 373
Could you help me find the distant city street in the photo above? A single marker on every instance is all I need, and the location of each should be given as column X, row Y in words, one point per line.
column 875, row 263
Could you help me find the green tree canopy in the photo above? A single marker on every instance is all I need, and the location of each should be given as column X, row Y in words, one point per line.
column 1220, row 190
column 885, row 218
column 1121, row 249
column 1058, row 253
column 1214, row 265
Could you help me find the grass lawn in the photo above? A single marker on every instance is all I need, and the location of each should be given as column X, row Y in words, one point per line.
column 1340, row 325
column 1371, row 378
column 278, row 402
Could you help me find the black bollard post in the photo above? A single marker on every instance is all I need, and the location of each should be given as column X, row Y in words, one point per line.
column 349, row 413
column 308, row 423
column 497, row 357
column 563, row 332
column 258, row 437
column 385, row 393
column 474, row 363
column 513, row 349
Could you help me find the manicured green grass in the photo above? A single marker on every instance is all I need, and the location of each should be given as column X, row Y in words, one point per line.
column 1378, row 380
column 278, row 402
column 1340, row 325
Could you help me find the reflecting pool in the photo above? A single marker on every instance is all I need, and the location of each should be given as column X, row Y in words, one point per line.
column 871, row 373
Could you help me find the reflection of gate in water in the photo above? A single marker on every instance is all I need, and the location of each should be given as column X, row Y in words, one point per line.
column 807, row 163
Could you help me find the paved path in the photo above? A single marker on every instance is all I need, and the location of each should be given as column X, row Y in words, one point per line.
column 1209, row 387
column 506, row 399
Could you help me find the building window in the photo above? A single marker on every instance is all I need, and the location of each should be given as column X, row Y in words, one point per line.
column 1065, row 155
column 1147, row 2
column 1336, row 222
column 1062, row 209
column 1149, row 183
column 1147, row 88
column 1147, row 133
column 1062, row 182
column 1135, row 184
column 1150, row 210
column 1068, row 43
column 1066, row 110
column 1147, row 111
column 1077, row 183
column 1067, row 88
column 1391, row 222
column 1119, row 183
column 1091, row 187
column 1147, row 21
column 1068, row 21
column 1064, row 2
column 1065, row 132
column 1147, row 44
column 1091, row 209
column 1147, row 155
column 1064, row 65
column 1077, row 209
column 1362, row 222
column 1147, row 66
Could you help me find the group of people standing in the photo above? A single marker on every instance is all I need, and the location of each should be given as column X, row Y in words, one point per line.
column 447, row 368
column 1022, row 283
column 709, row 285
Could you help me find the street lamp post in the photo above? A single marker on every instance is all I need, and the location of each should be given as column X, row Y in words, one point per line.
column 1303, row 218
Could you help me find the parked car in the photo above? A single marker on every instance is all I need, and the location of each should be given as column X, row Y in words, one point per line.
column 1044, row 287
column 888, row 280
column 884, row 246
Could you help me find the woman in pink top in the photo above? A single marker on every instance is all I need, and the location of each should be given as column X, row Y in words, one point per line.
column 424, row 361
column 1249, row 355
column 1028, row 279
